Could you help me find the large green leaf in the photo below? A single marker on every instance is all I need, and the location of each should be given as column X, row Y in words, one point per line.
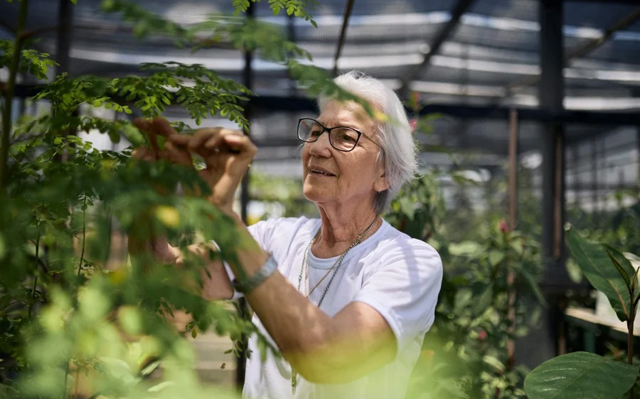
column 580, row 375
column 623, row 264
column 601, row 272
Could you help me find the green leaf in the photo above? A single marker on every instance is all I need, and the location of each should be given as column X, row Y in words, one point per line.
column 634, row 280
column 163, row 385
column 622, row 272
column 533, row 285
column 464, row 248
column 574, row 271
column 622, row 264
column 580, row 375
column 495, row 257
column 150, row 368
column 493, row 363
column 597, row 268
column 483, row 301
column 2, row 248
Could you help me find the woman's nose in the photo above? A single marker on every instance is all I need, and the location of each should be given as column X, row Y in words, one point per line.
column 322, row 146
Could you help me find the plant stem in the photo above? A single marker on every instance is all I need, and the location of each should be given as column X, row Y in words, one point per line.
column 8, row 97
column 84, row 233
column 35, row 281
column 66, row 379
column 630, row 328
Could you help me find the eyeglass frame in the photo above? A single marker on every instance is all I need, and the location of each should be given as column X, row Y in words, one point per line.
column 329, row 129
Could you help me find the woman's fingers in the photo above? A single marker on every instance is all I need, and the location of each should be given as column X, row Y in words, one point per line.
column 240, row 144
column 175, row 155
column 147, row 127
column 162, row 127
column 209, row 143
column 208, row 138
column 142, row 124
column 159, row 130
column 180, row 140
column 144, row 154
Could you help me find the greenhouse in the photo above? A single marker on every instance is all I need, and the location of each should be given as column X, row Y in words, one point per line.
column 141, row 138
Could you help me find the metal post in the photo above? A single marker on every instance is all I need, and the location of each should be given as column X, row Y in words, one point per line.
column 594, row 180
column 65, row 22
column 577, row 183
column 638, row 147
column 551, row 94
column 513, row 199
column 513, row 168
column 244, row 202
column 291, row 36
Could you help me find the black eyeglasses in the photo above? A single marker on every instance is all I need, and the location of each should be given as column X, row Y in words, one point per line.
column 342, row 138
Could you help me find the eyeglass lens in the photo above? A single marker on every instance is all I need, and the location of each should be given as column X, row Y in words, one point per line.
column 343, row 139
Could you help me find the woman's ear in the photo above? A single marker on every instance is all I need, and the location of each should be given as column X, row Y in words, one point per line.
column 381, row 183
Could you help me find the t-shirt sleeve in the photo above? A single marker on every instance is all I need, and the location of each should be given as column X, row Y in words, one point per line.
column 404, row 289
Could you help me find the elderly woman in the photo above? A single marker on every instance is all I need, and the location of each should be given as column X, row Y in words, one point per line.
column 347, row 298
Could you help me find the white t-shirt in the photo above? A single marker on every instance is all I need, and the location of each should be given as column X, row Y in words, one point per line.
column 398, row 276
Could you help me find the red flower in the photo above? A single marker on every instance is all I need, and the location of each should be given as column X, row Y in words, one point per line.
column 482, row 335
column 413, row 123
column 502, row 225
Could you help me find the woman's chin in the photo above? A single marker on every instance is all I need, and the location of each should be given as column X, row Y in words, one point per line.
column 313, row 194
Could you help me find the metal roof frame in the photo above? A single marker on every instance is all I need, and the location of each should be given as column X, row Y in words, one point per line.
column 458, row 10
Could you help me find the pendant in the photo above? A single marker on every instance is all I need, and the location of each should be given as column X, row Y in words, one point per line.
column 294, row 381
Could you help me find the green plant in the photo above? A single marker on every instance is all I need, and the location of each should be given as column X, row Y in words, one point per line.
column 76, row 317
column 464, row 353
column 579, row 374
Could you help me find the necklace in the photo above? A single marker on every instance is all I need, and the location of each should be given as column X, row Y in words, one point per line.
column 334, row 268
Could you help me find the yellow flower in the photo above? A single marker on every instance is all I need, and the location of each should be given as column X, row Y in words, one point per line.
column 380, row 116
column 168, row 215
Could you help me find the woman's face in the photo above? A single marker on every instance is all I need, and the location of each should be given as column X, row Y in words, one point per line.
column 348, row 177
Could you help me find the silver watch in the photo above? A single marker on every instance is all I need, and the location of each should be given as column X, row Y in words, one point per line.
column 248, row 285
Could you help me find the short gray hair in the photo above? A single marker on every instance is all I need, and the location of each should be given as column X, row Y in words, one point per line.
column 399, row 149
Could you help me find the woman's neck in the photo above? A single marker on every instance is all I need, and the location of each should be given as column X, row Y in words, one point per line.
column 341, row 227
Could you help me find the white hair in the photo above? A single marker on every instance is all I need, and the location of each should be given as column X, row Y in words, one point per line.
column 396, row 140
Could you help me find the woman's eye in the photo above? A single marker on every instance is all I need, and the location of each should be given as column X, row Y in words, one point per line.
column 347, row 136
column 315, row 133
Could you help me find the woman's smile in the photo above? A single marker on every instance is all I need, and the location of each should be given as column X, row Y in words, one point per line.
column 321, row 172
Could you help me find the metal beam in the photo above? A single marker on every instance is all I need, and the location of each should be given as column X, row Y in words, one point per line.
column 604, row 2
column 533, row 114
column 587, row 48
column 458, row 10
column 343, row 35
column 462, row 111
column 10, row 29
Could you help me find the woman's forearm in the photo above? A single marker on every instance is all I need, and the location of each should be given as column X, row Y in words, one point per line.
column 297, row 326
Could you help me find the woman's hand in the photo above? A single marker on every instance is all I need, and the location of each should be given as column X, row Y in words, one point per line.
column 216, row 281
column 227, row 155
column 156, row 130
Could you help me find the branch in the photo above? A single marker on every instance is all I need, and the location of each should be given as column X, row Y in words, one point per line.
column 8, row 99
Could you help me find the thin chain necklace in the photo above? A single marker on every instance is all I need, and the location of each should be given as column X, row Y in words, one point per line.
column 334, row 268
